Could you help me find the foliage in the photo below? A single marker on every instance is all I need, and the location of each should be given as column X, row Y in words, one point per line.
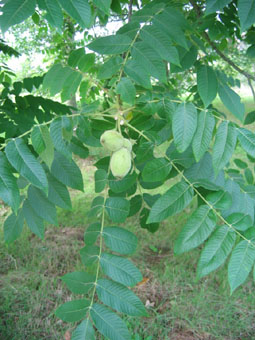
column 129, row 81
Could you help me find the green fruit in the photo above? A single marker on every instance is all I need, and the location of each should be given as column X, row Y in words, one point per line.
column 112, row 140
column 120, row 163
column 127, row 144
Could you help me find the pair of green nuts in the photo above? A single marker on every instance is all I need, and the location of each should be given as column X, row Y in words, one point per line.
column 121, row 147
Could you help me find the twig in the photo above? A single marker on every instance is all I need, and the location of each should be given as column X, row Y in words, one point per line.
column 214, row 46
column 252, row 89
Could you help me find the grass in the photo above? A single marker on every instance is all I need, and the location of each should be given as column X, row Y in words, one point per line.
column 180, row 307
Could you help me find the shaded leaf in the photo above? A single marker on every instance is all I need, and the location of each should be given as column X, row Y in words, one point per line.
column 184, row 125
column 108, row 323
column 79, row 282
column 25, row 163
column 72, row 311
column 120, row 240
column 170, row 203
column 216, row 250
column 84, row 331
column 120, row 269
column 207, row 84
column 224, row 145
column 117, row 208
column 203, row 134
column 199, row 226
column 120, row 298
column 13, row 226
column 112, row 44
column 9, row 191
column 240, row 264
column 67, row 172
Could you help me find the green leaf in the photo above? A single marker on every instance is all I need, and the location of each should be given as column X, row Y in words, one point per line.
column 172, row 23
column 242, row 165
column 117, row 208
column 72, row 311
column 135, row 205
column 112, row 44
column 161, row 43
column 120, row 269
column 120, row 298
column 108, row 323
column 86, row 62
column 110, row 67
column 185, row 159
column 37, row 140
column 248, row 176
column 9, row 191
column 79, row 10
column 207, row 84
column 47, row 155
column 79, row 282
column 121, row 185
column 13, row 226
column 78, row 148
column 56, row 134
column 71, row 85
column 58, row 193
column 151, row 227
column 149, row 60
column 138, row 73
column 220, row 199
column 84, row 331
column 96, row 206
column 247, row 141
column 173, row 201
column 239, row 221
column 67, row 172
column 100, row 180
column 89, row 254
column 126, row 90
column 246, row 13
column 91, row 233
column 224, row 145
column 75, row 57
column 34, row 222
column 203, row 134
column 54, row 13
column 40, row 203
column 216, row 250
column 215, row 5
column 156, row 170
column 187, row 58
column 25, row 163
column 55, row 78
column 250, row 118
column 202, row 174
column 103, row 5
column 184, row 125
column 232, row 101
column 16, row 11
column 120, row 240
column 199, row 226
column 240, row 264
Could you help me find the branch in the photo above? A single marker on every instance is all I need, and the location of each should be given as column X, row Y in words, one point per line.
column 130, row 10
column 214, row 46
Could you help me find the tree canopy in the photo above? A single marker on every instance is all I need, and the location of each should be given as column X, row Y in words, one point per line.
column 154, row 83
